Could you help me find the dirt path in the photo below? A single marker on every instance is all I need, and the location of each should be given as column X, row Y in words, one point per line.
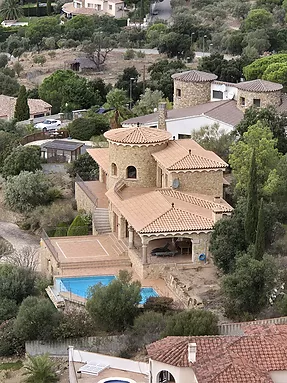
column 17, row 237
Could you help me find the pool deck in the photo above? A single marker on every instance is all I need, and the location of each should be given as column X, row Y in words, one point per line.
column 111, row 373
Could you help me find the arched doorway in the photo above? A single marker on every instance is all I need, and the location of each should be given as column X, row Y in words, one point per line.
column 165, row 377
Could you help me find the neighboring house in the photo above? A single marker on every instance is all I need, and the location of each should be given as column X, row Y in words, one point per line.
column 160, row 192
column 114, row 8
column 81, row 64
column 200, row 99
column 259, row 356
column 38, row 108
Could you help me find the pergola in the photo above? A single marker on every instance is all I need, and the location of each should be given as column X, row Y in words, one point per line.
column 61, row 151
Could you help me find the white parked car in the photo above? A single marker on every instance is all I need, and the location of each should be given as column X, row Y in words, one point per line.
column 48, row 124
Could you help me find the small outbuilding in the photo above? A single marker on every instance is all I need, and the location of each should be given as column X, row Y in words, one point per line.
column 62, row 151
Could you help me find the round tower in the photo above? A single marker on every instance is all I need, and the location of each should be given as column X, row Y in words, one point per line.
column 259, row 93
column 130, row 155
column 192, row 88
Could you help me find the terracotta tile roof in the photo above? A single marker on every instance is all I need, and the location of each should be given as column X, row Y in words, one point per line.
column 69, row 8
column 259, row 86
column 188, row 155
column 150, row 210
column 178, row 220
column 101, row 156
column 194, row 76
column 8, row 103
column 225, row 359
column 137, row 135
column 207, row 202
column 225, row 111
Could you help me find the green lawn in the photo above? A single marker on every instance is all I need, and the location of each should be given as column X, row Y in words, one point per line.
column 11, row 365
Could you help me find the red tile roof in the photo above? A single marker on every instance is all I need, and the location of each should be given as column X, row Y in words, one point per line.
column 227, row 359
column 259, row 86
column 137, row 135
column 194, row 76
column 187, row 154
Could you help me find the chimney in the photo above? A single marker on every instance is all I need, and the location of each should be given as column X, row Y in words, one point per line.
column 217, row 199
column 192, row 352
column 162, row 114
column 189, row 152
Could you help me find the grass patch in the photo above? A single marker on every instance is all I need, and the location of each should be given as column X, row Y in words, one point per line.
column 11, row 366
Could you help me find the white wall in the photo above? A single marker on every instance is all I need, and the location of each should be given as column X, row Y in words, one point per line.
column 113, row 362
column 229, row 91
column 180, row 374
column 191, row 124
column 278, row 376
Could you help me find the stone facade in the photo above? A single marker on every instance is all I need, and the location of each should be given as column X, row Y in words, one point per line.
column 190, row 93
column 83, row 201
column 204, row 182
column 138, row 156
column 162, row 114
column 246, row 99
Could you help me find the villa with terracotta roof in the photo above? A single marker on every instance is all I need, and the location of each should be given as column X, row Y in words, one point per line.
column 38, row 107
column 160, row 192
column 201, row 100
column 258, row 356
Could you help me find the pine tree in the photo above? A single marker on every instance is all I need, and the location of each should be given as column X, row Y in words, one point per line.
column 252, row 207
column 22, row 111
column 260, row 234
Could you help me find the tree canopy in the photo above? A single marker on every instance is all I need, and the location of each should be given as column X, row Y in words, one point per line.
column 259, row 138
column 22, row 158
column 85, row 166
column 85, row 128
column 115, row 306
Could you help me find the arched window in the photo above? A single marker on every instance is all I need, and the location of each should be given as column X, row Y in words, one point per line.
column 131, row 172
column 114, row 170
column 165, row 377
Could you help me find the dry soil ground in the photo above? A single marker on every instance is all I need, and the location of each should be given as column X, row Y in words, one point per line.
column 34, row 74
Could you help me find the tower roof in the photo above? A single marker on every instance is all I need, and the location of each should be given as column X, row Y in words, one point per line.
column 194, row 76
column 259, row 86
column 139, row 135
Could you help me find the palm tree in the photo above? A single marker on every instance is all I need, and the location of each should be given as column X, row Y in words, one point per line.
column 40, row 369
column 11, row 10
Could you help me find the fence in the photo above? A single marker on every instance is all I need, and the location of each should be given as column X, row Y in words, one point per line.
column 43, row 136
column 237, row 328
column 49, row 245
column 111, row 345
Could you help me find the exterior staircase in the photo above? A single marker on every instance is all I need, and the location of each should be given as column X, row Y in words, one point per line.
column 101, row 221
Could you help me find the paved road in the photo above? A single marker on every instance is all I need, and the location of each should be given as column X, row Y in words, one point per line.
column 17, row 237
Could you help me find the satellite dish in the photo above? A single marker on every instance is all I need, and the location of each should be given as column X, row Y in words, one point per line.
column 175, row 183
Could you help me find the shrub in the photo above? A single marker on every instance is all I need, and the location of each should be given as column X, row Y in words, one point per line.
column 129, row 54
column 10, row 344
column 40, row 59
column 61, row 230
column 8, row 309
column 140, row 54
column 79, row 226
column 192, row 322
column 26, row 190
column 159, row 304
column 36, row 319
column 115, row 306
column 75, row 323
column 85, row 166
column 85, row 128
column 16, row 283
column 22, row 158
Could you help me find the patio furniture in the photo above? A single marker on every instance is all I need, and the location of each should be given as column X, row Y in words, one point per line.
column 169, row 253
column 165, row 248
column 182, row 245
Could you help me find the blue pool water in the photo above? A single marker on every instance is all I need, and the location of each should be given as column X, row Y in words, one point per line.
column 80, row 285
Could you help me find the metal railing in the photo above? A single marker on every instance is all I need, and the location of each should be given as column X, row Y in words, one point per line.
column 86, row 190
column 238, row 328
column 50, row 246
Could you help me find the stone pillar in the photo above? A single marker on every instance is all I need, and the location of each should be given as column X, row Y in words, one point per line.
column 131, row 237
column 162, row 114
column 144, row 251
column 101, row 175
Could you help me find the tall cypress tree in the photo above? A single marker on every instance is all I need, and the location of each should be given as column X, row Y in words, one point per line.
column 49, row 7
column 22, row 111
column 260, row 234
column 252, row 204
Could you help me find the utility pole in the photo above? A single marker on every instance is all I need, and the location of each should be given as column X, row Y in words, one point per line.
column 204, row 37
column 131, row 92
column 143, row 78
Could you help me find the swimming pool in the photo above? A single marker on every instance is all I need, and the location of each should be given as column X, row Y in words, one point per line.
column 80, row 285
